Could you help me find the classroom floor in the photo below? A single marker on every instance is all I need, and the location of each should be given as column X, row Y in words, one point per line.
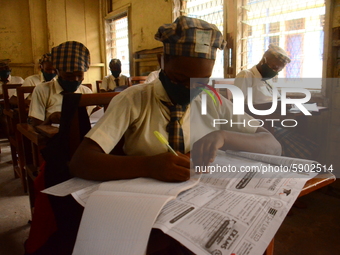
column 314, row 230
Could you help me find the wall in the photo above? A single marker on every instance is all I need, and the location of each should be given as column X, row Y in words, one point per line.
column 30, row 28
column 145, row 18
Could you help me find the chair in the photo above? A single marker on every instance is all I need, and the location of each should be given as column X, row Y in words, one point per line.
column 12, row 119
column 225, row 92
column 137, row 80
column 98, row 83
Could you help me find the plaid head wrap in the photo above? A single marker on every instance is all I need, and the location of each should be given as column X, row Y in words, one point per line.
column 71, row 56
column 45, row 58
column 190, row 37
column 279, row 53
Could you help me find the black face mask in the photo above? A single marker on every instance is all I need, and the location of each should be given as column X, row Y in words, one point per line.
column 4, row 74
column 115, row 73
column 48, row 76
column 266, row 72
column 178, row 93
column 69, row 86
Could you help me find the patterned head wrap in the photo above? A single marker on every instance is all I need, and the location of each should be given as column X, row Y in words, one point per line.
column 279, row 53
column 45, row 58
column 191, row 37
column 71, row 56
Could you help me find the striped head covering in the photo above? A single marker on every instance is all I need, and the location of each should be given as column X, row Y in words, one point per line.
column 45, row 58
column 190, row 37
column 279, row 53
column 71, row 56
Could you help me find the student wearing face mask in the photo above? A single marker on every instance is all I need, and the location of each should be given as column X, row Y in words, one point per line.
column 71, row 60
column 6, row 77
column 259, row 76
column 115, row 79
column 48, row 72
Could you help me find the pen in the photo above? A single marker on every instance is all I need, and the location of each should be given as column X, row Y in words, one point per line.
column 162, row 139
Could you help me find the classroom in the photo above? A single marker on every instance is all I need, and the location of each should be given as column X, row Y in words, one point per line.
column 285, row 54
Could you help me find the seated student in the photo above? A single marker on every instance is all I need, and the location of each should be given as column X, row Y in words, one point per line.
column 135, row 113
column 71, row 60
column 258, row 77
column 6, row 77
column 47, row 72
column 115, row 79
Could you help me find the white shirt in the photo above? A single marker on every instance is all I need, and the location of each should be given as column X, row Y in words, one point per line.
column 138, row 111
column 152, row 76
column 46, row 99
column 109, row 83
column 34, row 80
column 252, row 78
column 12, row 80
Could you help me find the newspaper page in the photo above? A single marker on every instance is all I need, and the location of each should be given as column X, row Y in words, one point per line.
column 236, row 213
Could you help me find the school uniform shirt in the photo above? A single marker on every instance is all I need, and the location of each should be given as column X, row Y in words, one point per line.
column 262, row 91
column 141, row 112
column 109, row 83
column 12, row 80
column 32, row 81
column 47, row 99
column 152, row 76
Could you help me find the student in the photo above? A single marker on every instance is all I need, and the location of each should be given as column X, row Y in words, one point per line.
column 71, row 60
column 6, row 77
column 47, row 72
column 115, row 79
column 259, row 76
column 135, row 113
column 138, row 111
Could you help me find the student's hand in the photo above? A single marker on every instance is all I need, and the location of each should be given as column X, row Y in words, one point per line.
column 169, row 167
column 204, row 150
column 54, row 118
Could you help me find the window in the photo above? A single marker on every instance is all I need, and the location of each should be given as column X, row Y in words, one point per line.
column 117, row 41
column 212, row 12
column 290, row 24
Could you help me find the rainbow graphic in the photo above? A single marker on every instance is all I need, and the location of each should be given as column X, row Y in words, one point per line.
column 210, row 94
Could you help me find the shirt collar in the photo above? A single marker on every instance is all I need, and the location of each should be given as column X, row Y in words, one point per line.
column 256, row 72
column 160, row 92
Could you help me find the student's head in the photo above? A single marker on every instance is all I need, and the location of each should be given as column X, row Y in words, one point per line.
column 5, row 70
column 190, row 47
column 115, row 67
column 46, row 67
column 72, row 60
column 273, row 61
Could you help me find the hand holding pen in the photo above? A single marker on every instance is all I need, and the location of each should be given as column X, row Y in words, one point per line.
column 169, row 167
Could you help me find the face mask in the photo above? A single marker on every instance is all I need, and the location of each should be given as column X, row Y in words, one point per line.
column 69, row 86
column 266, row 72
column 4, row 74
column 48, row 76
column 115, row 73
column 178, row 93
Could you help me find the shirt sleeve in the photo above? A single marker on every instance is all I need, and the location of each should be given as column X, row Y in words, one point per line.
column 38, row 104
column 104, row 84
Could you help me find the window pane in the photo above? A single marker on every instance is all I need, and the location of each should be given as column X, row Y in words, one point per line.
column 212, row 12
column 296, row 26
column 117, row 42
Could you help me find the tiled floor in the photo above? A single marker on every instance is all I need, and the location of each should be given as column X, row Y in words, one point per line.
column 311, row 231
